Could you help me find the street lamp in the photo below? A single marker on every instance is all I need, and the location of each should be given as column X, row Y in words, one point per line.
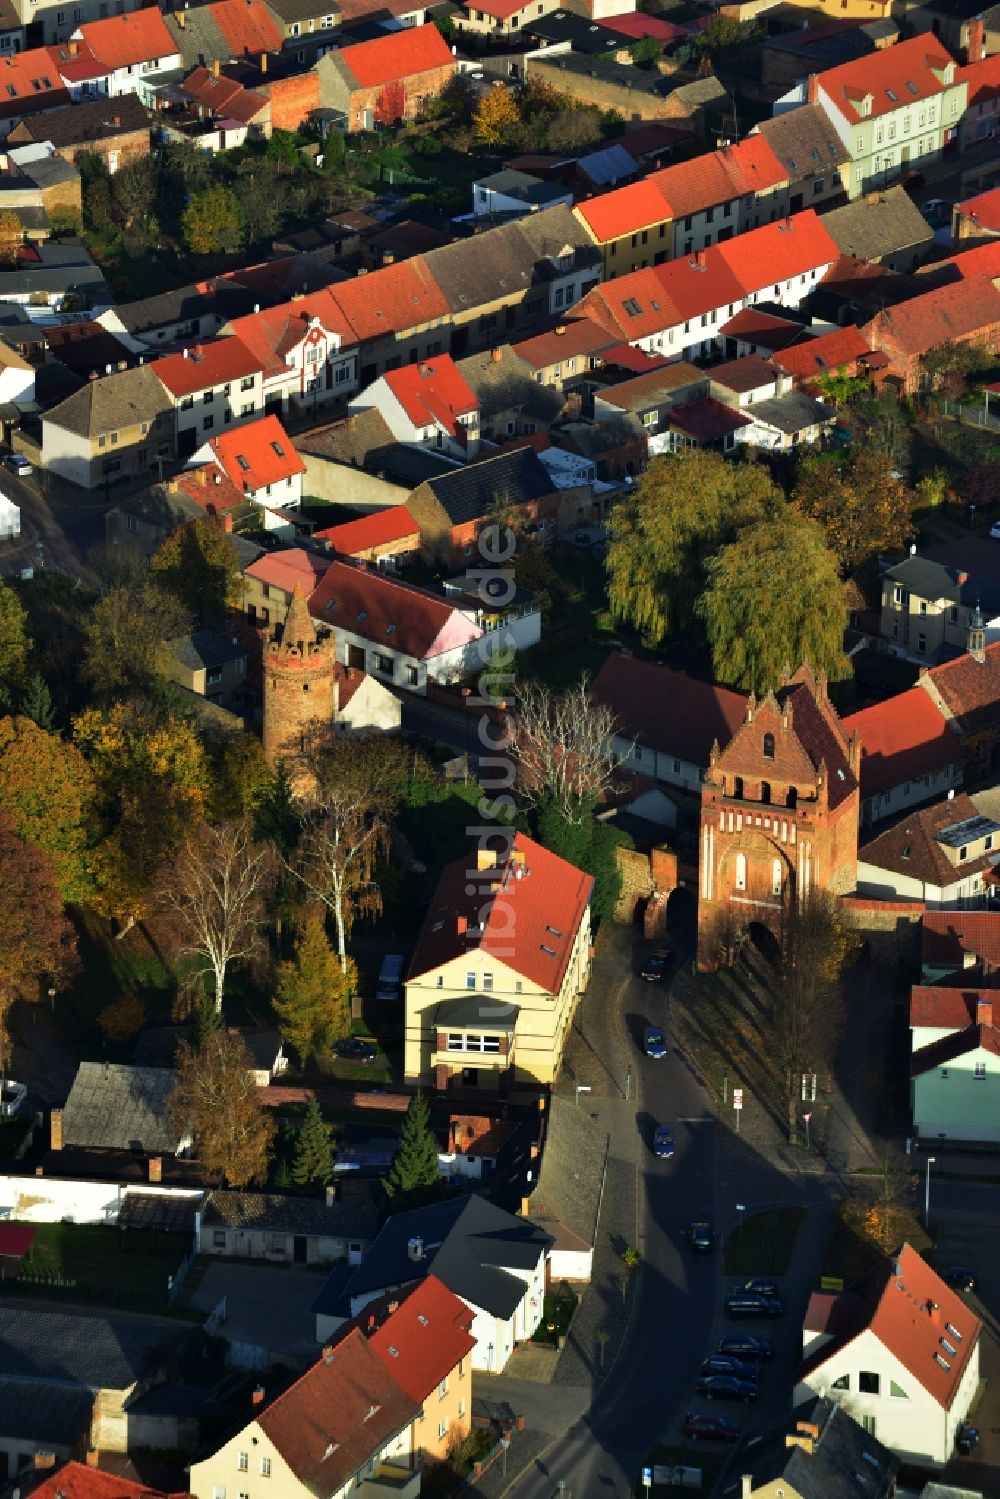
column 628, row 1082
column 927, row 1191
column 582, row 1088
column 805, row 1120
column 741, row 1208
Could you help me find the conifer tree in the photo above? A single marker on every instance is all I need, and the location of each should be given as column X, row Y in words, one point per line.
column 313, row 1164
column 414, row 1177
column 36, row 703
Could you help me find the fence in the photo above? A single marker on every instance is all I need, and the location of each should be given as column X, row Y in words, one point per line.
column 175, row 1281
column 972, row 416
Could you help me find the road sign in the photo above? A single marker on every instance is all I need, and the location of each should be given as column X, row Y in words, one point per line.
column 737, row 1098
column 647, row 1478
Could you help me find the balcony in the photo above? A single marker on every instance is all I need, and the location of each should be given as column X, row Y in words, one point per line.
column 391, row 1479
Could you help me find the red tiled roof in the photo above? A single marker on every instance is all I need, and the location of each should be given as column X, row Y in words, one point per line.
column 289, row 568
column 78, row 1481
column 937, row 317
column 650, row 309
column 395, row 523
column 637, row 25
column 209, row 487
column 935, row 1006
column 910, row 847
column 391, row 613
column 425, row 1339
column 531, row 925
column 697, row 284
column 392, row 299
column 817, row 356
column 814, row 727
column 205, row 365
column 666, row 709
column 580, row 337
column 626, row 210
column 123, row 41
column 886, row 76
column 433, row 392
column 339, row 1414
column 947, row 936
column 958, row 1044
column 624, row 357
column 223, row 96
column 970, row 689
column 21, row 71
column 761, row 328
column 748, row 373
column 397, row 55
column 274, row 332
column 982, row 80
column 981, row 260
column 831, row 1312
column 984, row 207
column 776, row 252
column 348, row 679
column 257, row 454
column 707, row 420
column 502, row 9
column 247, row 26
column 903, row 738
column 908, row 1308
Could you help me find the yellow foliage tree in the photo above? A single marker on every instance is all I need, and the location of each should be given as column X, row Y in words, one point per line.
column 11, row 237
column 496, row 116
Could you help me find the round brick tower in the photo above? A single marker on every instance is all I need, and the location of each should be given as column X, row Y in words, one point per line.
column 298, row 686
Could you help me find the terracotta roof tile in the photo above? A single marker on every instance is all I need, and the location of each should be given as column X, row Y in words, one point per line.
column 211, row 489
column 388, row 612
column 762, row 329
column 936, row 317
column 901, row 739
column 886, row 76
column 21, row 71
column 123, row 41
column 397, row 55
column 392, row 299
column 749, row 373
column 433, row 392
column 533, row 927
column 775, row 252
column 395, row 523
column 969, row 689
column 78, row 1481
column 666, row 709
column 625, row 210
column 204, row 365
column 939, row 1007
column 911, row 848
column 339, row 1414
column 948, row 937
column 707, row 420
column 817, row 356
column 247, row 26
column 273, row 332
column 424, row 1339
column 258, row 454
column 985, row 207
column 288, row 569
column 579, row 338
column 982, row 80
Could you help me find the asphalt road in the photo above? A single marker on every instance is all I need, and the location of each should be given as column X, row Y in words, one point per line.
column 43, row 541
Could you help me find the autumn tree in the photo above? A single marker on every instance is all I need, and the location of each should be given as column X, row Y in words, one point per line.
column 889, row 1209
column 199, row 566
column 684, row 508
column 48, row 791
column 414, row 1178
column 38, row 945
column 215, row 1100
column 806, row 993
column 862, row 508
column 773, row 600
column 125, row 648
column 212, row 222
column 496, row 116
column 11, row 237
column 14, row 643
column 217, row 888
column 390, row 105
column 312, row 992
column 564, row 749
column 313, row 1163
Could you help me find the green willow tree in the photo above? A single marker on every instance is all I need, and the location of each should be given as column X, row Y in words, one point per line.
column 774, row 600
column 683, row 509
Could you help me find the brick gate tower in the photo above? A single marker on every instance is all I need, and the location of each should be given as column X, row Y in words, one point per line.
column 779, row 816
column 298, row 686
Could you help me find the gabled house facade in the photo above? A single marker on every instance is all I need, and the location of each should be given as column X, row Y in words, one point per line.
column 909, row 754
column 388, row 79
column 943, row 856
column 484, row 1007
column 902, row 1353
column 212, row 386
column 428, row 404
column 115, row 427
column 114, row 56
column 259, row 460
column 306, row 349
column 954, row 1066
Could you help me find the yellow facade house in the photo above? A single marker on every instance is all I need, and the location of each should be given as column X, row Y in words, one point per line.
column 502, row 959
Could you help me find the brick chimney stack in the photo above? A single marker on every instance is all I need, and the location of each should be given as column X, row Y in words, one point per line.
column 812, row 88
column 56, row 1130
column 984, row 1012
column 976, row 50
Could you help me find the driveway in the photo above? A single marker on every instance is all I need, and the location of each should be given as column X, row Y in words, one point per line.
column 265, row 1306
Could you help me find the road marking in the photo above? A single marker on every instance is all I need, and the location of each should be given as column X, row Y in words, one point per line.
column 701, row 1119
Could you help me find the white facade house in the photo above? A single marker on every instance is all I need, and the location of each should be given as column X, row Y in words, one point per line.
column 118, row 55
column 17, row 379
column 954, row 1066
column 908, row 1370
column 943, row 855
column 10, row 519
column 212, row 386
column 427, row 404
column 306, row 361
column 259, row 460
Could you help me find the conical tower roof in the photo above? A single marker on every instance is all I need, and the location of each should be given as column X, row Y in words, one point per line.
column 299, row 629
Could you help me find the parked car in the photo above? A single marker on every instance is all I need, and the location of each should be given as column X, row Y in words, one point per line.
column 653, row 1043
column 995, row 530
column 722, row 1363
column 663, row 1142
column 726, row 1387
column 353, row 1049
column 959, row 1277
column 759, row 1285
column 18, row 464
column 656, row 967
column 702, row 1237
column 746, row 1346
column 700, row 1427
column 749, row 1304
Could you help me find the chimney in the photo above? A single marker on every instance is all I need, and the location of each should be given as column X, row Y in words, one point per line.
column 336, row 694
column 187, row 353
column 461, row 925
column 496, row 355
column 812, row 87
column 116, row 121
column 984, row 1012
column 976, row 50
column 699, row 257
column 56, row 1130
column 263, row 62
column 525, row 1206
column 181, row 19
column 217, row 67
column 156, row 1168
column 794, row 1439
column 485, row 859
column 74, row 48
column 809, row 1427
column 934, row 1312
column 257, row 1397
column 746, row 1485
column 962, row 579
column 45, row 1460
column 331, row 1195
column 93, row 1458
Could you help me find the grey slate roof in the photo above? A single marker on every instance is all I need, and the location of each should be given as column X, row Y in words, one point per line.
column 469, row 1244
column 112, row 402
column 477, row 1009
column 97, row 1352
column 226, row 299
column 609, row 166
column 204, row 650
column 520, row 185
column 50, row 1415
column 876, row 226
column 467, row 493
column 842, row 1452
column 273, row 1212
column 116, row 1107
column 790, row 413
column 90, row 120
column 932, row 580
column 571, row 1180
column 500, row 380
column 199, row 39
column 804, row 141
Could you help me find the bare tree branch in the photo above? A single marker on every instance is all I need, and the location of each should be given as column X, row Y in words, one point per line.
column 564, row 747
column 336, row 859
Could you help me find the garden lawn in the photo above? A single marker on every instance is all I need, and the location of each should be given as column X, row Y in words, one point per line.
column 763, row 1243
column 128, row 1271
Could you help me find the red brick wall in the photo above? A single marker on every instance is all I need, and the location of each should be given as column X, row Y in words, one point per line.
column 417, row 89
column 292, row 99
column 907, row 367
